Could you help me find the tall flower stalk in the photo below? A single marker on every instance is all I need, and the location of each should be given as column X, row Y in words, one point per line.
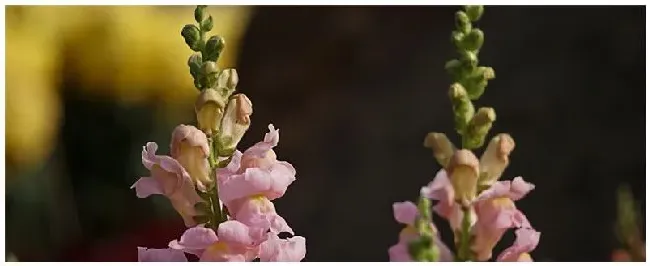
column 224, row 196
column 479, row 208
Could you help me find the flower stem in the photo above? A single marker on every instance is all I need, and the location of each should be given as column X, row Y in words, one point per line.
column 463, row 247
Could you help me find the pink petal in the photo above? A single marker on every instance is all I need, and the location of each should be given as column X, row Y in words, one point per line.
column 260, row 149
column 497, row 190
column 147, row 186
column 252, row 181
column 519, row 188
column 405, row 212
column 232, row 168
column 149, row 154
column 399, row 253
column 160, row 255
column 525, row 242
column 283, row 250
column 234, row 232
column 440, row 189
column 195, row 240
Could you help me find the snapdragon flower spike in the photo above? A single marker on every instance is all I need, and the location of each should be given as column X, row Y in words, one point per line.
column 525, row 242
column 493, row 212
column 256, row 172
column 497, row 213
column 160, row 255
column 190, row 148
column 168, row 178
column 406, row 213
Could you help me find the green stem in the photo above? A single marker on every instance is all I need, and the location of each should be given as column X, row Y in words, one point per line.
column 464, row 252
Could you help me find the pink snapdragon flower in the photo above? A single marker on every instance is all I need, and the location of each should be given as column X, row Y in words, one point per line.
column 497, row 213
column 441, row 189
column 189, row 146
column 406, row 213
column 168, row 178
column 233, row 241
column 255, row 172
column 525, row 242
column 292, row 249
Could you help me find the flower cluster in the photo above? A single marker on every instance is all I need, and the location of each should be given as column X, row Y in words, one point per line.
column 490, row 213
column 224, row 196
column 467, row 191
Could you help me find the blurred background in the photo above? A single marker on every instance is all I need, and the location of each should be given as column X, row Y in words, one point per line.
column 354, row 90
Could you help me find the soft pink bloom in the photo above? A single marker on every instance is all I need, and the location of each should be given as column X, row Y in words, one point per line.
column 275, row 249
column 259, row 211
column 497, row 213
column 441, row 189
column 169, row 178
column 160, row 255
column 233, row 241
column 406, row 213
column 526, row 240
column 189, row 146
column 256, row 172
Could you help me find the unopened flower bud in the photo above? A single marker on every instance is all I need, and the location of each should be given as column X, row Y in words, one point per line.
column 210, row 67
column 495, row 159
column 478, row 127
column 463, row 23
column 463, row 172
column 462, row 106
column 474, row 40
column 190, row 148
column 207, row 24
column 199, row 13
column 209, row 111
column 442, row 147
column 228, row 78
column 213, row 48
column 236, row 121
column 474, row 13
column 195, row 62
column 192, row 36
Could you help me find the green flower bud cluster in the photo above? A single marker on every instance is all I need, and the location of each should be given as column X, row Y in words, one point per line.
column 469, row 80
column 203, row 64
column 423, row 248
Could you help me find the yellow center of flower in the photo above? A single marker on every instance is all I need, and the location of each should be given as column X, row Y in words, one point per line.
column 503, row 202
column 524, row 257
column 217, row 247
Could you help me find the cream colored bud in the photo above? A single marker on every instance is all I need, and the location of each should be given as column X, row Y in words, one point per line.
column 236, row 121
column 228, row 78
column 478, row 127
column 210, row 67
column 209, row 110
column 442, row 147
column 495, row 159
column 463, row 170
